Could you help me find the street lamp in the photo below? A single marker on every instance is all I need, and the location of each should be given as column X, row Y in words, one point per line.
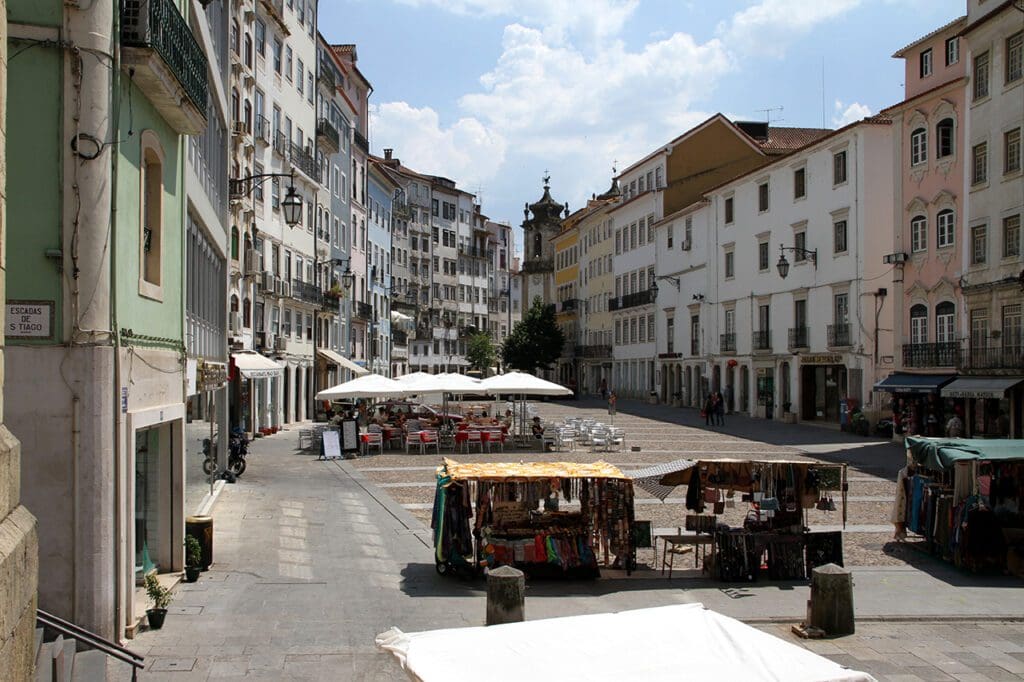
column 291, row 206
column 783, row 265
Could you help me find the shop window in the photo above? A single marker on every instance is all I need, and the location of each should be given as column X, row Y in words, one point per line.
column 151, row 191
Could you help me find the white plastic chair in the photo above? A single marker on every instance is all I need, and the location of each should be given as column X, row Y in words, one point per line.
column 373, row 439
column 495, row 436
column 473, row 437
column 429, row 439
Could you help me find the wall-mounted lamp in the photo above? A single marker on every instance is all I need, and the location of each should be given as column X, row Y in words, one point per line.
column 783, row 264
column 698, row 297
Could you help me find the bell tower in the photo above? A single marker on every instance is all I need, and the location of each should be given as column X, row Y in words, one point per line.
column 538, row 249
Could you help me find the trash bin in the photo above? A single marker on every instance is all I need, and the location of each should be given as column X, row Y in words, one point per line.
column 201, row 528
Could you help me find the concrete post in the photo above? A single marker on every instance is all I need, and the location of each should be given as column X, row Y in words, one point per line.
column 300, row 412
column 289, row 398
column 831, row 605
column 506, row 596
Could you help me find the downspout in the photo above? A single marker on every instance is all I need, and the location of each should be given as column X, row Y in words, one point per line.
column 119, row 471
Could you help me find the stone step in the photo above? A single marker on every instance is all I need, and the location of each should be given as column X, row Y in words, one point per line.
column 89, row 666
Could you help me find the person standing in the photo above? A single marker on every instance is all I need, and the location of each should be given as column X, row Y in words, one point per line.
column 954, row 427
column 612, row 399
column 719, row 409
column 709, row 410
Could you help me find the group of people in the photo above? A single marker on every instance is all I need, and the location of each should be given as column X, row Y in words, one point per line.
column 714, row 409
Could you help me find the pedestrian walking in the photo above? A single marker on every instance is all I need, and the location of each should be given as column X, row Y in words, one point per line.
column 612, row 399
column 709, row 410
column 719, row 409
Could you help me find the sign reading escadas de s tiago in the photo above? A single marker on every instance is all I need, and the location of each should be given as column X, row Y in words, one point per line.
column 29, row 320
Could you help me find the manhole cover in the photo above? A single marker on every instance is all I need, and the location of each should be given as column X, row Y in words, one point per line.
column 185, row 610
column 170, row 665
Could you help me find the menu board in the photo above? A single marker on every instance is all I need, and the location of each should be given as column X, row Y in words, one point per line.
column 332, row 446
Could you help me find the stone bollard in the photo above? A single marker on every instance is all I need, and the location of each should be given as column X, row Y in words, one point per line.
column 506, row 596
column 831, row 605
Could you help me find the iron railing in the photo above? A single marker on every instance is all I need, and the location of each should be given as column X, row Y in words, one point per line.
column 158, row 25
column 568, row 305
column 1008, row 356
column 695, row 347
column 762, row 340
column 328, row 133
column 727, row 342
column 361, row 141
column 399, row 337
column 326, row 77
column 839, row 334
column 631, row 300
column 262, row 128
column 363, row 311
column 594, row 351
column 280, row 143
column 92, row 640
column 305, row 162
column 308, row 292
column 799, row 337
column 944, row 354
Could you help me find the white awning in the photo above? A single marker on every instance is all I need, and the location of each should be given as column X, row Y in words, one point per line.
column 252, row 365
column 341, row 361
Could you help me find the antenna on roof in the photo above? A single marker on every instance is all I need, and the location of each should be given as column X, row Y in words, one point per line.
column 823, row 93
column 768, row 114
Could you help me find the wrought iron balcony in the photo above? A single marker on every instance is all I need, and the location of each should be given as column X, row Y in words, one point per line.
column 328, row 134
column 305, row 162
column 361, row 141
column 839, row 334
column 631, row 300
column 594, row 351
column 475, row 251
column 532, row 265
column 570, row 305
column 362, row 311
column 168, row 64
column 799, row 337
column 727, row 342
column 931, row 354
column 762, row 340
column 307, row 292
column 399, row 337
column 1008, row 356
column 280, row 143
column 326, row 77
column 262, row 130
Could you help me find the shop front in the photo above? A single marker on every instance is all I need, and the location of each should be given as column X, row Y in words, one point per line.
column 992, row 405
column 917, row 406
column 254, row 379
column 205, row 429
column 765, row 392
column 823, row 384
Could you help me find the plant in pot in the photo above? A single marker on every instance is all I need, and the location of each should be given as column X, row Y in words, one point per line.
column 161, row 597
column 193, row 559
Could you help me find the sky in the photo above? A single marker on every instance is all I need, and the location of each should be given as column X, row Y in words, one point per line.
column 495, row 93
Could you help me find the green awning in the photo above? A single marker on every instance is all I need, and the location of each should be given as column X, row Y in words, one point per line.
column 942, row 453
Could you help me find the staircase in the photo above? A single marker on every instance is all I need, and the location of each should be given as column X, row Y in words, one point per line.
column 75, row 655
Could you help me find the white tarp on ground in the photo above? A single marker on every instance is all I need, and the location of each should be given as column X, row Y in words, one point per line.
column 680, row 642
column 369, row 386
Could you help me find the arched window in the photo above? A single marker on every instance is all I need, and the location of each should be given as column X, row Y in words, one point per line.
column 246, row 313
column 234, row 303
column 944, row 138
column 946, row 224
column 151, row 204
column 537, row 244
column 234, row 243
column 945, row 322
column 918, row 324
column 247, row 116
column 918, row 146
column 918, row 234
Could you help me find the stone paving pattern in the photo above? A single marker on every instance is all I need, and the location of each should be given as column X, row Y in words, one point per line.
column 313, row 559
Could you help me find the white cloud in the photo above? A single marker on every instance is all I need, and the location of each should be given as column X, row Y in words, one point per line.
column 847, row 114
column 769, row 26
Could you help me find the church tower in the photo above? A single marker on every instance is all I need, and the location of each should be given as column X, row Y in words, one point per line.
column 538, row 249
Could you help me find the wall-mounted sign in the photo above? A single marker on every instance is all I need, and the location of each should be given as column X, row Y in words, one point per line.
column 821, row 359
column 29, row 320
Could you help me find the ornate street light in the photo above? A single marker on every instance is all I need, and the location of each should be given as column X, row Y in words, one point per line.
column 783, row 265
column 291, row 206
column 292, row 203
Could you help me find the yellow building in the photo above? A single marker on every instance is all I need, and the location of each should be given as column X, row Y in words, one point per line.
column 594, row 351
column 567, row 283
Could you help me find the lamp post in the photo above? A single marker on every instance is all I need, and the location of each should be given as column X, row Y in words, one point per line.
column 783, row 265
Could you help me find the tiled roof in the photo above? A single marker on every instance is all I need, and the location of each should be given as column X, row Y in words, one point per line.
column 782, row 140
column 899, row 53
column 344, row 49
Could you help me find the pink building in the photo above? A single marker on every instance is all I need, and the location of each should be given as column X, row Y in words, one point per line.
column 929, row 154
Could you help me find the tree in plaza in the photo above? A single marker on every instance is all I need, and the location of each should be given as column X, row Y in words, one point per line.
column 536, row 342
column 480, row 352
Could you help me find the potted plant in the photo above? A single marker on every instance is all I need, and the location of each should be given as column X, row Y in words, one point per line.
column 193, row 559
column 787, row 416
column 161, row 597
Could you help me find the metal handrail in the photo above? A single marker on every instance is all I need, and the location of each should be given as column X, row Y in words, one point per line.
column 95, row 641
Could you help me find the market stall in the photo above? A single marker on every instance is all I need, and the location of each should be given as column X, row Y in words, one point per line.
column 545, row 518
column 768, row 503
column 963, row 496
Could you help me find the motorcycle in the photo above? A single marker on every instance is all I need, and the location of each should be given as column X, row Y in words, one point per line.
column 210, row 454
column 238, row 449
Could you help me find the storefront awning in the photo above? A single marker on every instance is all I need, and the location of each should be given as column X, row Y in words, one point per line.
column 341, row 361
column 913, row 383
column 980, row 387
column 255, row 366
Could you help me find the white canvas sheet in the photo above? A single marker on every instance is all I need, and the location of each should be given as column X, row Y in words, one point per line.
column 368, row 386
column 680, row 642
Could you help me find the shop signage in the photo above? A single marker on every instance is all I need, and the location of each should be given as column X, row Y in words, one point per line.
column 29, row 319
column 212, row 375
column 821, row 359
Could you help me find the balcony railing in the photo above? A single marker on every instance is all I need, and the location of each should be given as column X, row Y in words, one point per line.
column 931, row 354
column 799, row 337
column 839, row 334
column 727, row 342
column 569, row 305
column 399, row 337
column 538, row 265
column 326, row 77
column 631, row 300
column 762, row 340
column 328, row 134
column 304, row 161
column 1008, row 356
column 308, row 292
column 262, row 130
column 157, row 25
column 280, row 143
column 475, row 251
column 594, row 351
column 361, row 141
column 363, row 311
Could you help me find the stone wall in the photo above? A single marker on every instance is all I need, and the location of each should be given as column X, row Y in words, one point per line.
column 19, row 562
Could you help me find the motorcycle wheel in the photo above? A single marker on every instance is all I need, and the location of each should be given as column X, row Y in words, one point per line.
column 209, row 466
column 237, row 466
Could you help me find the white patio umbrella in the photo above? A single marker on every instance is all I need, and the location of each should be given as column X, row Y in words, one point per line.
column 369, row 386
column 522, row 384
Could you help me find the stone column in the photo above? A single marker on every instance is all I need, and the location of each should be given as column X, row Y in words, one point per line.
column 300, row 411
column 19, row 544
column 289, row 398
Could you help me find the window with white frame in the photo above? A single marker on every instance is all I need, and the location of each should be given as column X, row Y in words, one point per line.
column 762, row 197
column 799, row 183
column 730, row 264
column 980, row 75
column 728, row 210
column 979, row 163
column 952, row 51
column 918, row 146
column 669, row 234
column 944, row 145
column 839, row 239
column 800, row 242
column 918, row 324
column 1011, row 236
column 979, row 245
column 925, row 62
column 918, row 234
column 839, row 168
column 762, row 256
column 1011, row 151
column 946, row 225
column 945, row 322
column 1015, row 57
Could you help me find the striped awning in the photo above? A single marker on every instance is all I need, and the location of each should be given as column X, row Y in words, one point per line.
column 649, row 479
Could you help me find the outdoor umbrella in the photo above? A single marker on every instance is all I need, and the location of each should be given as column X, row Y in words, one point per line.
column 369, row 386
column 522, row 384
column 650, row 479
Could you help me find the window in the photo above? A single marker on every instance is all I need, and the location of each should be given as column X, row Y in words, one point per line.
column 945, row 322
column 669, row 235
column 730, row 267
column 945, row 221
column 618, row 331
column 1012, row 328
column 762, row 197
column 918, row 146
column 952, row 51
column 234, row 243
column 277, row 56
column 979, row 328
column 799, row 183
column 981, row 75
column 839, row 168
column 839, row 230
column 918, row 234
column 979, row 245
column 918, row 324
column 762, row 256
column 260, row 33
column 434, row 207
column 800, row 242
column 925, row 63
column 841, row 308
column 944, row 138
column 1015, row 57
column 288, row 59
column 300, row 75
column 979, row 165
column 1011, row 236
column 1011, row 151
column 151, row 205
column 728, row 210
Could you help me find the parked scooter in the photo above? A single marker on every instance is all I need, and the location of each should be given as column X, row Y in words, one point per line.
column 210, row 453
column 239, row 448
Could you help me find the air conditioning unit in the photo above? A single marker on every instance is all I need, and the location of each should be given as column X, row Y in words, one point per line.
column 252, row 264
column 686, row 245
column 281, row 344
column 268, row 283
column 264, row 340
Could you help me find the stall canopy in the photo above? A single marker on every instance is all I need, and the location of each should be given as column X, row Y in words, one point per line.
column 252, row 365
column 649, row 479
column 913, row 383
column 527, row 470
column 679, row 642
column 980, row 387
column 368, row 386
column 341, row 361
column 943, row 453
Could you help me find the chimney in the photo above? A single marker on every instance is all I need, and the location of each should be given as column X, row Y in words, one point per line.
column 387, row 154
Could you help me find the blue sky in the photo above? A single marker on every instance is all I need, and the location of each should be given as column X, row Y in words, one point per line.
column 492, row 93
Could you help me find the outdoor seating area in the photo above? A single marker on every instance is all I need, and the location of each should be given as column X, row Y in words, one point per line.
column 588, row 433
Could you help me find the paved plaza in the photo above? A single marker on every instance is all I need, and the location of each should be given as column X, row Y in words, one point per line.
column 313, row 559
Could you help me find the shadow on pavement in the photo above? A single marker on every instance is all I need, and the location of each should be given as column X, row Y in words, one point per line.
column 915, row 554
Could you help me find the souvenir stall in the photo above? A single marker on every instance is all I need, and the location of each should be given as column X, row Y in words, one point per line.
column 545, row 518
column 757, row 513
column 963, row 497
